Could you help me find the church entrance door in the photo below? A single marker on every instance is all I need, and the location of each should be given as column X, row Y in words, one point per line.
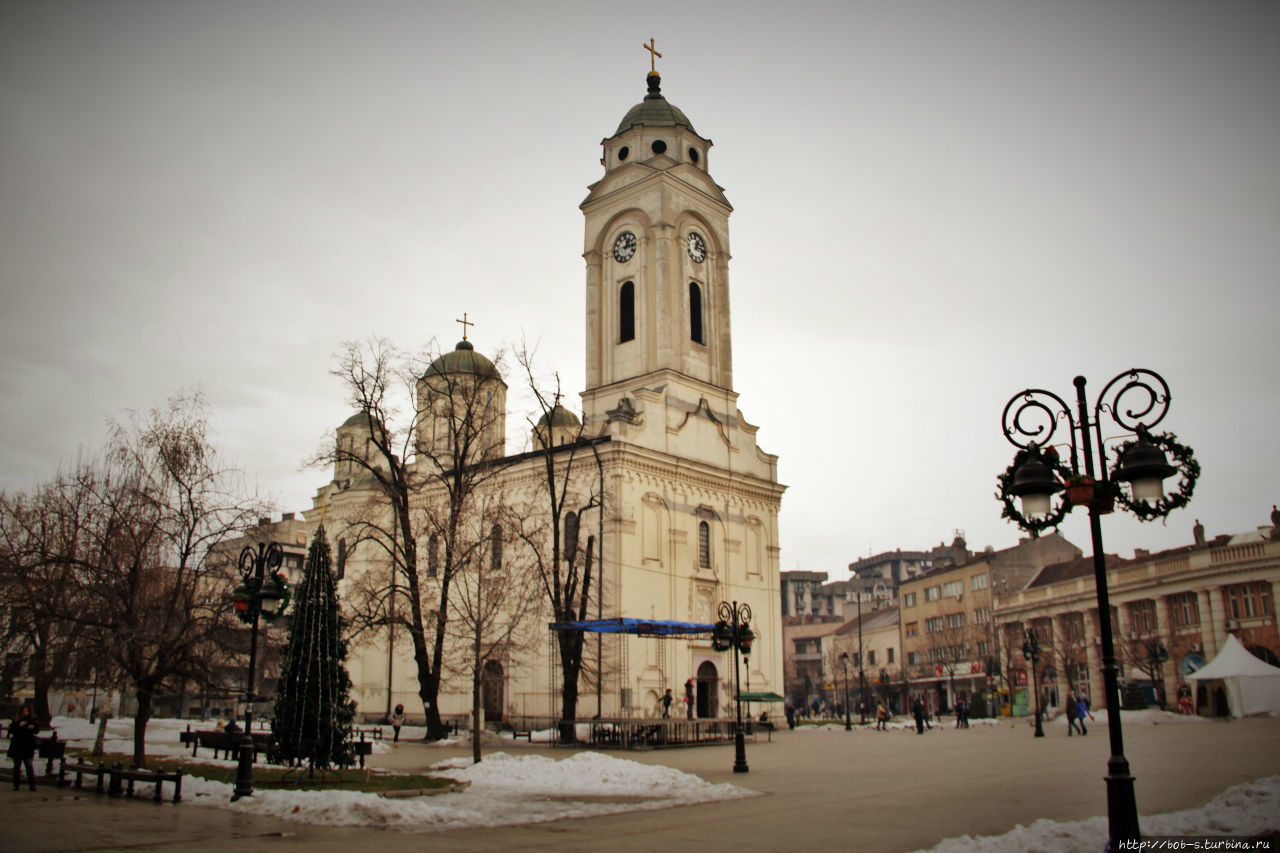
column 494, row 688
column 708, row 681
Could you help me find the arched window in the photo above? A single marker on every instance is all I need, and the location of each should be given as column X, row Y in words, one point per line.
column 627, row 313
column 570, row 534
column 342, row 558
column 704, row 545
column 695, row 313
column 433, row 555
column 495, row 547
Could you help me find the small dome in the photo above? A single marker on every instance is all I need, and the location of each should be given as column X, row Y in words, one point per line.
column 359, row 419
column 560, row 417
column 654, row 110
column 463, row 359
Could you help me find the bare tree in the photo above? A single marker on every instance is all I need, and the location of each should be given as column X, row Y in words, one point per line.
column 492, row 606
column 161, row 501
column 423, row 472
column 41, row 544
column 950, row 642
column 1070, row 650
column 570, row 495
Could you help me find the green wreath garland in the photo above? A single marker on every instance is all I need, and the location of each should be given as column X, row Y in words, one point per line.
column 1186, row 463
column 1048, row 456
column 286, row 596
column 722, row 637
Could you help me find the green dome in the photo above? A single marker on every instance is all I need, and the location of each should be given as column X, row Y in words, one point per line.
column 560, row 417
column 654, row 110
column 463, row 359
column 359, row 419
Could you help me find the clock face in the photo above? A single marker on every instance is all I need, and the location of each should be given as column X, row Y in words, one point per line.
column 697, row 247
column 624, row 247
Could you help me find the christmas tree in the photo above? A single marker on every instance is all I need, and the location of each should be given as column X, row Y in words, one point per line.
column 313, row 710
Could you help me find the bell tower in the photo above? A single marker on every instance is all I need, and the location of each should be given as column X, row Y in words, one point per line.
column 657, row 256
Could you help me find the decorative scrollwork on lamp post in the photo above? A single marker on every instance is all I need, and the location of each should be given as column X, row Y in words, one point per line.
column 1136, row 400
column 734, row 631
column 258, row 593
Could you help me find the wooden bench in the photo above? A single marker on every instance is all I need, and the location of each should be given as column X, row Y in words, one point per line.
column 118, row 775
column 228, row 743
column 516, row 733
column 361, row 748
column 80, row 768
column 375, row 732
column 50, row 748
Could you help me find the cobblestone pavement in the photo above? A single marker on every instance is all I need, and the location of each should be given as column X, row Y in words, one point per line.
column 826, row 790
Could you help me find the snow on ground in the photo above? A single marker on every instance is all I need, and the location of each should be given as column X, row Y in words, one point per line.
column 1242, row 810
column 504, row 789
column 511, row 790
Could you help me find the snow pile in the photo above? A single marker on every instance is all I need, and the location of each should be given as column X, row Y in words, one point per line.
column 505, row 790
column 1246, row 810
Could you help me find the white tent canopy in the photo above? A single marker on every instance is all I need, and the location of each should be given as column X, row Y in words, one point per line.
column 1252, row 685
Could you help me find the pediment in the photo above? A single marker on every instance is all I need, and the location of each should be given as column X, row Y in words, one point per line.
column 637, row 173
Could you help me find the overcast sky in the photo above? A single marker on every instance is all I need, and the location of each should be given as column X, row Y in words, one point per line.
column 937, row 204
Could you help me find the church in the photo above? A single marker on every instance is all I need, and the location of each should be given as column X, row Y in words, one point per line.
column 690, row 502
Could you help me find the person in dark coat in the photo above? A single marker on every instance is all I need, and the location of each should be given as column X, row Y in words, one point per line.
column 22, row 746
column 917, row 711
column 1073, row 714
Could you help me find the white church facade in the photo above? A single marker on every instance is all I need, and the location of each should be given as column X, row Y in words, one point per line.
column 691, row 502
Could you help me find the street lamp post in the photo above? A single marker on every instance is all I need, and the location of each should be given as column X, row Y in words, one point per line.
column 737, row 618
column 844, row 660
column 1029, row 421
column 256, row 594
column 1157, row 654
column 862, row 679
column 1031, row 651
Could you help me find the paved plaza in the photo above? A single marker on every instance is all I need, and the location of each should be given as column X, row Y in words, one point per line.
column 823, row 790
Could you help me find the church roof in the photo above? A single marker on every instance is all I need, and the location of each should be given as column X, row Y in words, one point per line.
column 360, row 419
column 463, row 359
column 654, row 110
column 560, row 416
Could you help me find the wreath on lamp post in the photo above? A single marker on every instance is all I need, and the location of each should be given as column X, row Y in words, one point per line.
column 1184, row 460
column 252, row 584
column 722, row 637
column 1034, row 526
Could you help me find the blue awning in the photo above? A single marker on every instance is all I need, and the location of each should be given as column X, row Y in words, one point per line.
column 642, row 627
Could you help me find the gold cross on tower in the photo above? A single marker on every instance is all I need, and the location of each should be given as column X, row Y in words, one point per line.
column 653, row 54
column 465, row 322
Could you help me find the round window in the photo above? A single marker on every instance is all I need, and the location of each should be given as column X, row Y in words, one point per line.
column 658, row 146
column 622, row 153
column 693, row 155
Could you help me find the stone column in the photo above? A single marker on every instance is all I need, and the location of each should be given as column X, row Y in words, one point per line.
column 1212, row 621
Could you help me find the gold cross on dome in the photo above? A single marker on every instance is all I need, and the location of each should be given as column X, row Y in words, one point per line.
column 465, row 322
column 653, row 54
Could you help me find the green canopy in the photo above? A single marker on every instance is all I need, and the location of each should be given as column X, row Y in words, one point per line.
column 760, row 697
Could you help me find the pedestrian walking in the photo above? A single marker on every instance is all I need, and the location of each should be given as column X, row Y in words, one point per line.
column 790, row 710
column 22, row 746
column 882, row 717
column 917, row 711
column 1073, row 713
column 667, row 699
column 396, row 719
column 688, row 698
column 1082, row 710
